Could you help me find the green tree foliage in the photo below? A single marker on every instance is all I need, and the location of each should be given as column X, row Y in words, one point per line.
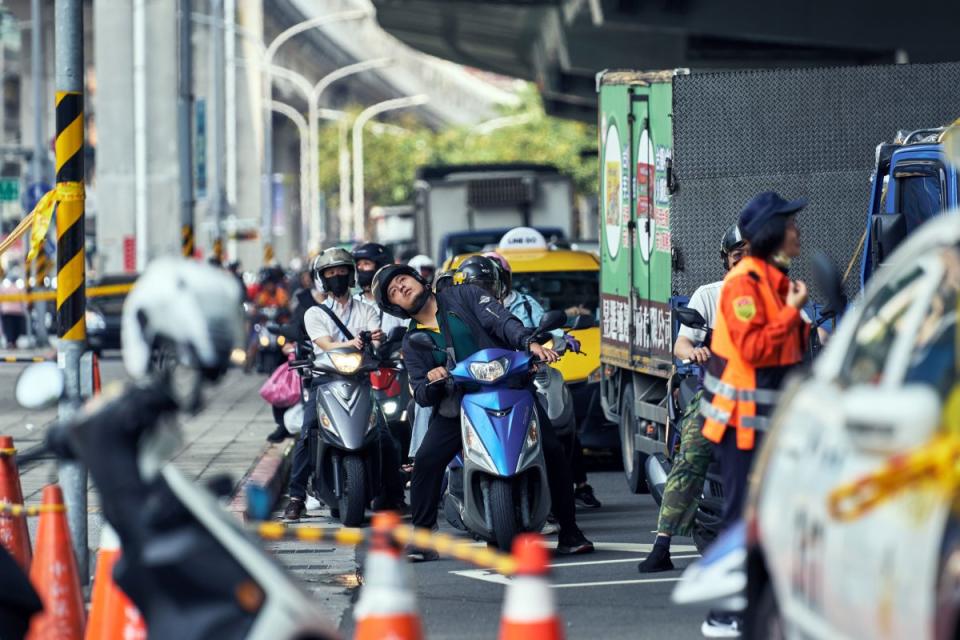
column 392, row 155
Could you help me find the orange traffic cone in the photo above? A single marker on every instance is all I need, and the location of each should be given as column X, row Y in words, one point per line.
column 112, row 615
column 529, row 612
column 13, row 529
column 387, row 604
column 54, row 575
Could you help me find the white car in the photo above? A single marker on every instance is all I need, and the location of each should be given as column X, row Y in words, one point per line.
column 879, row 389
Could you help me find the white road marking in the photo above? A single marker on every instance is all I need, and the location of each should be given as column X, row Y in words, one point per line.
column 687, row 551
column 634, row 559
column 613, row 582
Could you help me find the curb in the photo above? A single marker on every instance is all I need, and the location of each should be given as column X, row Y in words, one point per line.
column 266, row 476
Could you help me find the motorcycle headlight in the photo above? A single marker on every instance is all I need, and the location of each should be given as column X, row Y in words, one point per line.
column 238, row 356
column 346, row 363
column 473, row 444
column 390, row 407
column 95, row 321
column 281, row 340
column 489, row 371
column 264, row 341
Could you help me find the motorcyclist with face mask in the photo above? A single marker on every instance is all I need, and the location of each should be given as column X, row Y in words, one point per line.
column 335, row 273
column 368, row 257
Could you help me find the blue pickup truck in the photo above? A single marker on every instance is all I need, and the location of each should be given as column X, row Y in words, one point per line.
column 913, row 182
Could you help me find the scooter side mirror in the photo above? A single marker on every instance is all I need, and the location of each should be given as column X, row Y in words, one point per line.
column 690, row 318
column 552, row 320
column 422, row 342
column 40, row 386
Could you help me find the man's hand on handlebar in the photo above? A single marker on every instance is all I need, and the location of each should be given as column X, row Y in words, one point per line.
column 377, row 335
column 437, row 374
column 547, row 355
column 357, row 343
column 700, row 355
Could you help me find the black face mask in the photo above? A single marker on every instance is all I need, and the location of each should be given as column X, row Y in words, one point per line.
column 337, row 285
column 365, row 278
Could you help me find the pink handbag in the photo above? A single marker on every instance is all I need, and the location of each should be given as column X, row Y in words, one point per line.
column 282, row 388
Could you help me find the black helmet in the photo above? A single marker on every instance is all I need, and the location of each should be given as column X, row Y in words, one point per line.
column 443, row 280
column 379, row 254
column 381, row 282
column 732, row 239
column 483, row 272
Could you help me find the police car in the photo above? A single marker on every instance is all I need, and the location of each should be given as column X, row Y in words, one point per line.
column 851, row 530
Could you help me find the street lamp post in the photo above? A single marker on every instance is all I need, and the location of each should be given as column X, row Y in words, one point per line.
column 300, row 122
column 269, row 53
column 362, row 119
column 318, row 227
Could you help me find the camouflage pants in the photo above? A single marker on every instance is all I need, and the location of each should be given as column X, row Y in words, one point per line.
column 681, row 495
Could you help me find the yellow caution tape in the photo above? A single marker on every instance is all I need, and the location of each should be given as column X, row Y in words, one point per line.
column 41, row 215
column 8, row 452
column 442, row 543
column 92, row 292
column 20, row 510
column 936, row 462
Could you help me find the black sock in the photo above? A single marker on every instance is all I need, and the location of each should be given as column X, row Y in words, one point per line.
column 662, row 541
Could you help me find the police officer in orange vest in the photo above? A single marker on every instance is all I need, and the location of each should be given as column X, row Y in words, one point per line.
column 759, row 336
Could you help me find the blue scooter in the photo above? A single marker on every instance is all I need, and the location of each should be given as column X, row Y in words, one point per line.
column 502, row 487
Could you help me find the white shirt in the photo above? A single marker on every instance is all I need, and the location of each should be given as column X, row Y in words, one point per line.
column 356, row 316
column 387, row 320
column 705, row 300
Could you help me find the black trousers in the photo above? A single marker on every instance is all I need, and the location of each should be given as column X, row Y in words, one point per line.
column 443, row 441
column 735, row 467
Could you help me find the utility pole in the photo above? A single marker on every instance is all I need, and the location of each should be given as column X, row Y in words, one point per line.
column 71, row 262
column 217, row 121
column 185, row 126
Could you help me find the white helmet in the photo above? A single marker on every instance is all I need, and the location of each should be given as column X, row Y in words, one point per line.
column 191, row 306
column 422, row 262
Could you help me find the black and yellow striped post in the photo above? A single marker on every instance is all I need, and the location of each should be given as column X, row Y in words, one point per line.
column 186, row 240
column 218, row 249
column 71, row 299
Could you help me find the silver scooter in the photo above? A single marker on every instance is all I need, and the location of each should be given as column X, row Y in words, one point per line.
column 349, row 461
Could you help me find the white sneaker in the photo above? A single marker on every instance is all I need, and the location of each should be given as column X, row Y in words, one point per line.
column 721, row 625
column 549, row 528
column 312, row 504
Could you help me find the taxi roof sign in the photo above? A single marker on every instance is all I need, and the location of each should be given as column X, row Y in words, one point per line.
column 523, row 238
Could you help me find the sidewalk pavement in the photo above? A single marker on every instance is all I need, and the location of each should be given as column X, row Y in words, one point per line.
column 228, row 437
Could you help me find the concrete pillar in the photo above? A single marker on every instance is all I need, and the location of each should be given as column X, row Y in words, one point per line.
column 113, row 56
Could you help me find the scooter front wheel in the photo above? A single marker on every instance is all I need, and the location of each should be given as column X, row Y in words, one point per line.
column 353, row 498
column 503, row 513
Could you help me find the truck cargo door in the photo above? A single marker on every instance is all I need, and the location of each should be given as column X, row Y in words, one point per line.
column 642, row 176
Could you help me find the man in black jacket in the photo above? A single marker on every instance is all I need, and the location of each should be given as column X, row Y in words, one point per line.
column 473, row 320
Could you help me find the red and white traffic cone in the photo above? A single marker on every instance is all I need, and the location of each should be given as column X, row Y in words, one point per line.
column 387, row 607
column 529, row 610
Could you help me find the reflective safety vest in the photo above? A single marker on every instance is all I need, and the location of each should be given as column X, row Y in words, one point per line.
column 737, row 392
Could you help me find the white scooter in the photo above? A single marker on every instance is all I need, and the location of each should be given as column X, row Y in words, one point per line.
column 188, row 565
